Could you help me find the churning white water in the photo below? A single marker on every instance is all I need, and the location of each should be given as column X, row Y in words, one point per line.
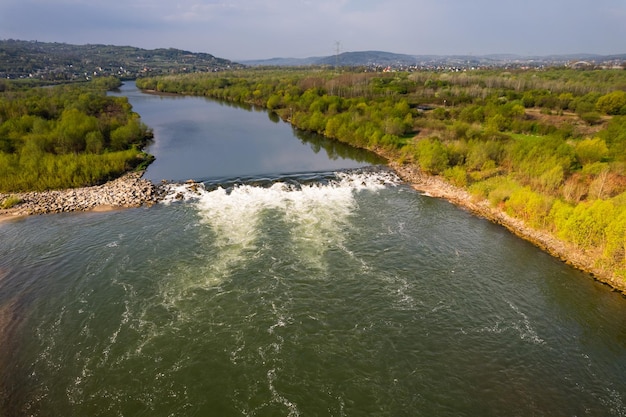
column 326, row 291
column 346, row 295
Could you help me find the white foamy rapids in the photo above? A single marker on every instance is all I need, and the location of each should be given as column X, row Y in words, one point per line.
column 350, row 180
column 316, row 212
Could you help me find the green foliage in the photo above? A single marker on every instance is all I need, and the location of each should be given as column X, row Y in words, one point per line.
column 615, row 137
column 483, row 154
column 546, row 146
column 496, row 189
column 431, row 155
column 540, row 162
column 273, row 102
column 66, row 136
column 585, row 104
column 43, row 171
column 10, row 201
column 614, row 253
column 94, row 142
column 72, row 130
column 559, row 216
column 456, row 176
column 552, row 179
column 613, row 103
column 106, row 83
column 589, row 151
column 591, row 117
column 534, row 208
column 587, row 224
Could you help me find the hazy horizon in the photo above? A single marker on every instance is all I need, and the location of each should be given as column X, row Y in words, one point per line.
column 255, row 29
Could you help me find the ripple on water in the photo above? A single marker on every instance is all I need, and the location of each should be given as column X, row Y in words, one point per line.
column 304, row 300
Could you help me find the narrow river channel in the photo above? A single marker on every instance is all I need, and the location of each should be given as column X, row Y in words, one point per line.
column 302, row 279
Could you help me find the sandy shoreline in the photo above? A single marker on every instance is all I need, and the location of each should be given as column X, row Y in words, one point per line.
column 130, row 190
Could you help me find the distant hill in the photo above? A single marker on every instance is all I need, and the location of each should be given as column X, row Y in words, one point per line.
column 368, row 58
column 282, row 62
column 52, row 61
column 389, row 59
column 344, row 59
column 61, row 61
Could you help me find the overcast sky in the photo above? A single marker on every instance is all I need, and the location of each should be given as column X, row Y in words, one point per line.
column 255, row 29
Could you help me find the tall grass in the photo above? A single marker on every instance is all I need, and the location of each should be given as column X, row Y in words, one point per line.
column 46, row 171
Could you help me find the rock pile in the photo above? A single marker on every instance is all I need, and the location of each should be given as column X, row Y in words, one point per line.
column 130, row 190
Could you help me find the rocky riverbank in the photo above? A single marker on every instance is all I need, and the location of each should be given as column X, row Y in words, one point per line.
column 129, row 190
column 437, row 187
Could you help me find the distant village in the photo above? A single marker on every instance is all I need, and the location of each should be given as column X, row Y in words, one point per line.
column 63, row 62
column 616, row 64
column 462, row 64
column 72, row 72
column 58, row 62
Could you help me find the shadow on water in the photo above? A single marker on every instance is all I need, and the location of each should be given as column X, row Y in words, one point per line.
column 198, row 138
column 335, row 149
column 273, row 117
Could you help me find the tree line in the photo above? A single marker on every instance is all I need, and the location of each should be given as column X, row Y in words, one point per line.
column 60, row 62
column 67, row 136
column 548, row 147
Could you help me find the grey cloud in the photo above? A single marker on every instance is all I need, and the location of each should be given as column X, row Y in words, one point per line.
column 268, row 28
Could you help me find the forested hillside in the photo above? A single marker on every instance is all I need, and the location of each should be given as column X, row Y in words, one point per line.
column 61, row 62
column 548, row 147
column 67, row 136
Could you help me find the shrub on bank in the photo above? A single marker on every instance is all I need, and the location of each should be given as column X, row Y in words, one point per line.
column 67, row 136
column 9, row 202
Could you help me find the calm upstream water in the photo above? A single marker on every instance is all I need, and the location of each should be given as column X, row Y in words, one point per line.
column 303, row 280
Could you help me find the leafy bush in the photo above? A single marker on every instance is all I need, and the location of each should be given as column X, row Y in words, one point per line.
column 66, row 136
column 432, row 156
column 456, row 176
column 613, row 103
column 532, row 207
column 587, row 224
column 509, row 139
column 591, row 117
column 495, row 189
column 589, row 151
column 10, row 201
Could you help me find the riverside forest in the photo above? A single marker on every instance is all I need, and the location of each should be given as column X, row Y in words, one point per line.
column 67, row 136
column 545, row 146
column 295, row 275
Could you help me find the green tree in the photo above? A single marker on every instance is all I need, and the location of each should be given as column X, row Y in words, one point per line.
column 615, row 248
column 125, row 136
column 432, row 155
column 612, row 103
column 559, row 215
column 615, row 137
column 586, row 226
column 72, row 130
column 273, row 102
column 588, row 151
column 530, row 206
column 94, row 142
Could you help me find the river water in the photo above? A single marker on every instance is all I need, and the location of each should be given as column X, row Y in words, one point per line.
column 303, row 279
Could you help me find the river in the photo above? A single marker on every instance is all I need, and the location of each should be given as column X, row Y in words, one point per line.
column 302, row 279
